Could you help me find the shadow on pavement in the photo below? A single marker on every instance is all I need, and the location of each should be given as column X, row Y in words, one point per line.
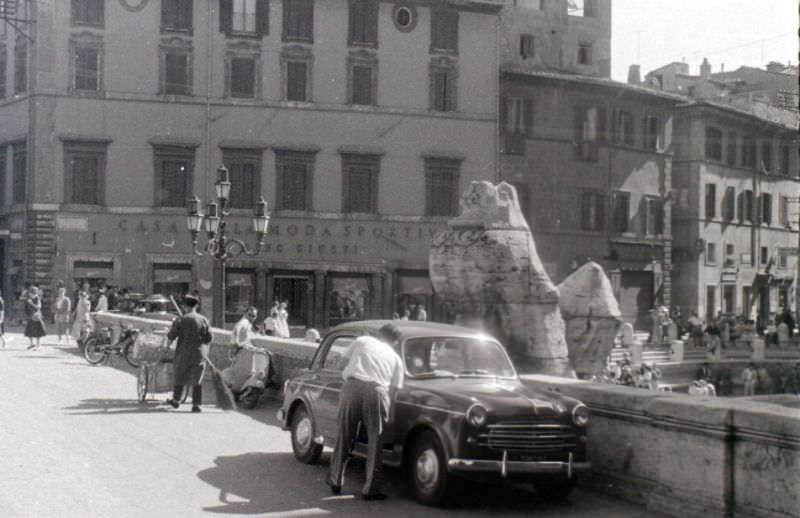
column 114, row 407
column 257, row 483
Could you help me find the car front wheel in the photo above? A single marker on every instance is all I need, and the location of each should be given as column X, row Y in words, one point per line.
column 554, row 488
column 428, row 470
column 303, row 445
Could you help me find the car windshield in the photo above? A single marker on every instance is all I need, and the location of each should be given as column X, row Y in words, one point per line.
column 456, row 357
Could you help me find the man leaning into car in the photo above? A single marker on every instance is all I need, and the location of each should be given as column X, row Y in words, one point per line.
column 372, row 376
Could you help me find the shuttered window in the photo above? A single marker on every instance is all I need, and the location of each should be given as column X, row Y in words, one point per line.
column 19, row 171
column 296, row 81
column 592, row 210
column 87, row 68
column 295, row 171
column 3, row 166
column 441, row 186
column 298, row 20
column 363, row 84
column 87, row 12
column 242, row 77
column 246, row 17
column 84, row 172
column 444, row 30
column 174, row 168
column 620, row 210
column 176, row 15
column 244, row 170
column 360, row 183
column 363, row 23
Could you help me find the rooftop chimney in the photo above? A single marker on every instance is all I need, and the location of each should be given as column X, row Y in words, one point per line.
column 774, row 66
column 705, row 69
column 634, row 75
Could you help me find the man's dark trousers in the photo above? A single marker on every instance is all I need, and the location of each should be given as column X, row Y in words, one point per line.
column 364, row 402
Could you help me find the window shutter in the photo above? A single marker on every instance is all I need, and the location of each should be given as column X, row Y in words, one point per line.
column 578, row 128
column 504, row 115
column 600, row 212
column 601, row 124
column 226, row 16
column 528, row 116
column 262, row 17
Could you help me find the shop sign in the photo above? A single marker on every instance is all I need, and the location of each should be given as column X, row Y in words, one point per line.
column 788, row 251
column 72, row 223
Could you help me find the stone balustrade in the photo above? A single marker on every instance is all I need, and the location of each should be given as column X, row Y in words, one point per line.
column 288, row 354
column 691, row 456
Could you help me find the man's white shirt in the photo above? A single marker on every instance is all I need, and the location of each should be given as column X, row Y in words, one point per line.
column 372, row 360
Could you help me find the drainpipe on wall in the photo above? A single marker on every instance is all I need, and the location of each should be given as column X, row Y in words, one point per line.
column 30, row 154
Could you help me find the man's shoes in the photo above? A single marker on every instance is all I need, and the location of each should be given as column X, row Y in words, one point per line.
column 335, row 490
column 374, row 496
column 196, row 409
column 171, row 402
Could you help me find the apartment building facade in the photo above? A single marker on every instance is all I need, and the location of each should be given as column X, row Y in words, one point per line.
column 737, row 195
column 566, row 35
column 592, row 161
column 360, row 122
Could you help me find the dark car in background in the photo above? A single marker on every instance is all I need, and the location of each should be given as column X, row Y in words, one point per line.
column 463, row 412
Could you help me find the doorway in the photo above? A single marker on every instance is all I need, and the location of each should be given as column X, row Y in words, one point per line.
column 636, row 298
column 298, row 292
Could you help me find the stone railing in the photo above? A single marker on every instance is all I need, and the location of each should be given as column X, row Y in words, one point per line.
column 690, row 456
column 288, row 355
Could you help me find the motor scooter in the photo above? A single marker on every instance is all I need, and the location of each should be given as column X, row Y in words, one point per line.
column 249, row 374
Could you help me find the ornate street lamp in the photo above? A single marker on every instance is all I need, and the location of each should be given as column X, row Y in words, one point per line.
column 219, row 245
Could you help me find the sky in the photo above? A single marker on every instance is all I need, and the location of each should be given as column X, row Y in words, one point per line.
column 730, row 32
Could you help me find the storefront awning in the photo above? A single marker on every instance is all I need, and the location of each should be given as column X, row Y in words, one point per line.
column 93, row 270
column 172, row 274
column 414, row 285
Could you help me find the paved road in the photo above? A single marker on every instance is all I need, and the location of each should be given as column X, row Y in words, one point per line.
column 74, row 442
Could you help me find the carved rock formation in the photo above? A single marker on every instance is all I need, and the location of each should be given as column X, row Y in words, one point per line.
column 488, row 273
column 592, row 318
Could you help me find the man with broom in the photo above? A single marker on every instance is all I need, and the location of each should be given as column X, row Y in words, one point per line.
column 193, row 334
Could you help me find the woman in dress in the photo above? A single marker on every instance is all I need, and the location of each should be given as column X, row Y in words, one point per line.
column 283, row 321
column 82, row 308
column 63, row 307
column 34, row 328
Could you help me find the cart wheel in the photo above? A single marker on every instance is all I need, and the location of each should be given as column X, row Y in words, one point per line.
column 141, row 383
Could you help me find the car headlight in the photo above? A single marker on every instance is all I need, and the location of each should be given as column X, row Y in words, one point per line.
column 580, row 415
column 477, row 414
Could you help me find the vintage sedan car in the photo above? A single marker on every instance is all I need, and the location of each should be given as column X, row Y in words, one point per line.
column 463, row 411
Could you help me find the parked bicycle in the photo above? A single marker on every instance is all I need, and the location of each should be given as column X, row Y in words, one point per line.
column 99, row 347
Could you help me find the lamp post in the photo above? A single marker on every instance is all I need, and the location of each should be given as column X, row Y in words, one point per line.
column 219, row 245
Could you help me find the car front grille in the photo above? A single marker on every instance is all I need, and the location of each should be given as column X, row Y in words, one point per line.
column 536, row 437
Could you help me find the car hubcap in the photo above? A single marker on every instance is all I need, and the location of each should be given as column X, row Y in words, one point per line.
column 427, row 468
column 303, row 433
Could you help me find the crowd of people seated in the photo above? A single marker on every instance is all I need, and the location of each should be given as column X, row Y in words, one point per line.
column 624, row 372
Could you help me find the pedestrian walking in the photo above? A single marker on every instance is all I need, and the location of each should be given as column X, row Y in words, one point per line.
column 282, row 328
column 82, row 310
column 749, row 379
column 271, row 323
column 34, row 327
column 372, row 375
column 193, row 334
column 62, row 310
column 102, row 301
column 421, row 315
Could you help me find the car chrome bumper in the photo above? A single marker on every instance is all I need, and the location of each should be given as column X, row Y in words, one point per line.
column 505, row 466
